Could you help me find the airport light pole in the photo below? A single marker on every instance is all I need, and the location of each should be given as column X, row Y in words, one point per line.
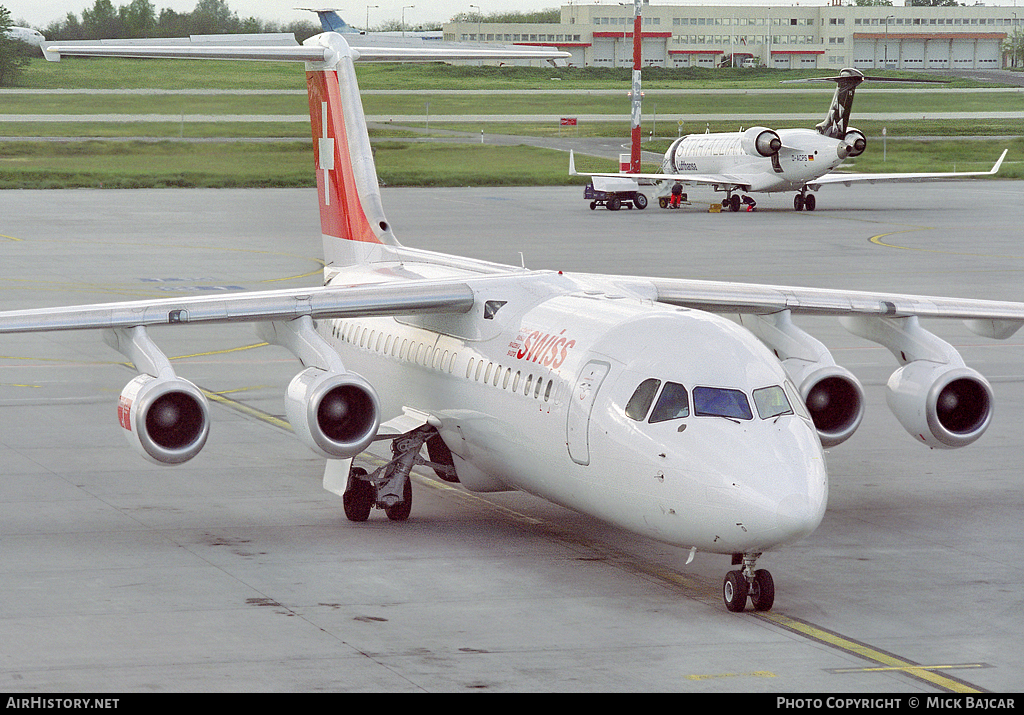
column 367, row 28
column 885, row 64
column 479, row 21
column 407, row 7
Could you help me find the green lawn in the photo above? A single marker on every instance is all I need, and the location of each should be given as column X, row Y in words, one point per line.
column 288, row 162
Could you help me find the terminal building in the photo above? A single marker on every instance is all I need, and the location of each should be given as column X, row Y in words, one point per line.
column 829, row 36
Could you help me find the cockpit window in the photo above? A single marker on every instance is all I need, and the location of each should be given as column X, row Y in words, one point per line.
column 643, row 396
column 720, row 402
column 772, row 402
column 673, row 404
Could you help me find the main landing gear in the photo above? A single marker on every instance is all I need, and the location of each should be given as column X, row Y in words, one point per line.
column 740, row 584
column 804, row 200
column 389, row 487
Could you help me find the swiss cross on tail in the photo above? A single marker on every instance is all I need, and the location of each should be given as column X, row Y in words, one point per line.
column 341, row 211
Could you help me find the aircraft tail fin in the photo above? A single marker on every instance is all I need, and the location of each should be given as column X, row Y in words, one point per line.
column 838, row 117
column 330, row 21
column 837, row 120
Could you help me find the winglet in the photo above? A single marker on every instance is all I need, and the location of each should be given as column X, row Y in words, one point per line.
column 999, row 162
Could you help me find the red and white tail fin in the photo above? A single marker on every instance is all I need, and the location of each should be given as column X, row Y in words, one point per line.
column 355, row 229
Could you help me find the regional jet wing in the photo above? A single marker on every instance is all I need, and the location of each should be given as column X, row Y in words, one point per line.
column 393, row 298
column 847, row 179
column 693, row 179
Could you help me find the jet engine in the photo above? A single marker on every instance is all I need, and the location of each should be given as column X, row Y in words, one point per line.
column 944, row 406
column 835, row 399
column 166, row 419
column 832, row 394
column 336, row 414
column 761, row 141
column 856, row 140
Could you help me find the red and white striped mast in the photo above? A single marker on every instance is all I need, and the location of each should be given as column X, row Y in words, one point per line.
column 634, row 156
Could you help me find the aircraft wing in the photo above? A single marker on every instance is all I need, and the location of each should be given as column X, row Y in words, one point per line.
column 847, row 179
column 689, row 179
column 398, row 298
column 994, row 319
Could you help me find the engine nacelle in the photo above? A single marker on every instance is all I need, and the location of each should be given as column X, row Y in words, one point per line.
column 835, row 399
column 856, row 140
column 336, row 414
column 760, row 141
column 944, row 406
column 166, row 420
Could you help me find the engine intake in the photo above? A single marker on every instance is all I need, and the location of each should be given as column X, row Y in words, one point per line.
column 335, row 414
column 165, row 419
column 761, row 141
column 943, row 406
column 835, row 399
column 856, row 140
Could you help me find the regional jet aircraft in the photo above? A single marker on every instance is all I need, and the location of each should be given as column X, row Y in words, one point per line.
column 763, row 160
column 633, row 400
column 26, row 34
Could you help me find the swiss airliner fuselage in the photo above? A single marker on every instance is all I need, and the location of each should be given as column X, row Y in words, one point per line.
column 674, row 423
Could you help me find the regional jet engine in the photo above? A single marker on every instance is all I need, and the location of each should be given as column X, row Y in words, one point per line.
column 165, row 419
column 856, row 140
column 835, row 399
column 761, row 141
column 942, row 405
column 336, row 414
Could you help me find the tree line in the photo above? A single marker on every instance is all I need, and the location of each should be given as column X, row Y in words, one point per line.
column 140, row 18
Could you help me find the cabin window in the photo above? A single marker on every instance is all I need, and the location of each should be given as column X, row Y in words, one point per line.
column 469, row 369
column 772, row 402
column 673, row 404
column 529, row 383
column 640, row 403
column 720, row 402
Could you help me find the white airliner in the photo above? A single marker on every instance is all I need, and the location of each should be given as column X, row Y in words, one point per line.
column 630, row 399
column 26, row 34
column 763, row 160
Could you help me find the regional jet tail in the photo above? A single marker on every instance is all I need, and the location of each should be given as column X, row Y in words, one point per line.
column 763, row 160
column 632, row 399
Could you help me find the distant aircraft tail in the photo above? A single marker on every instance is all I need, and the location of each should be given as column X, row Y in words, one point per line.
column 330, row 21
column 838, row 117
column 355, row 229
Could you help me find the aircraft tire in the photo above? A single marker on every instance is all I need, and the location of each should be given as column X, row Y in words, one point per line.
column 734, row 591
column 359, row 496
column 762, row 591
column 401, row 511
column 734, row 203
column 798, row 202
column 809, row 202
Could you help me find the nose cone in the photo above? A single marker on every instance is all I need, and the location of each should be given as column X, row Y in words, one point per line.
column 775, row 494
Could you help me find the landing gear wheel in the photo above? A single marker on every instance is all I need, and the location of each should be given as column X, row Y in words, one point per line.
column 798, row 202
column 809, row 202
column 762, row 591
column 640, row 201
column 359, row 497
column 734, row 591
column 734, row 203
column 401, row 511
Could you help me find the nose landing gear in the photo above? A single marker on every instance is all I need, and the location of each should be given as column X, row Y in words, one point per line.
column 740, row 584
